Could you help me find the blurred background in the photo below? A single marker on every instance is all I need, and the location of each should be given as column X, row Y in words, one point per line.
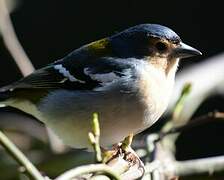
column 48, row 30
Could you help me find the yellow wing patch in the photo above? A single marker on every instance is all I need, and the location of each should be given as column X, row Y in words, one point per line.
column 100, row 48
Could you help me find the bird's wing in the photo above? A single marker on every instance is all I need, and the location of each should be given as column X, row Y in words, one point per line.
column 84, row 69
column 54, row 76
column 60, row 75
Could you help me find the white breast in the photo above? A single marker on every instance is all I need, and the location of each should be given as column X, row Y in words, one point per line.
column 155, row 89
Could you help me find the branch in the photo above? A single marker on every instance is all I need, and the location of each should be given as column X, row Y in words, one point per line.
column 20, row 157
column 206, row 77
column 92, row 168
column 199, row 166
column 23, row 62
column 193, row 168
column 12, row 42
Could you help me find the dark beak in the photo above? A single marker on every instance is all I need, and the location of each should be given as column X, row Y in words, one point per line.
column 184, row 51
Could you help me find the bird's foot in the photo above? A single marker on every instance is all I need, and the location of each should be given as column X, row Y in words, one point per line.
column 123, row 151
column 129, row 154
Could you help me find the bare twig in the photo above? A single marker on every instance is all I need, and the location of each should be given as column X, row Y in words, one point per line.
column 12, row 42
column 20, row 157
column 23, row 62
column 194, row 168
column 206, row 77
column 92, row 168
column 208, row 166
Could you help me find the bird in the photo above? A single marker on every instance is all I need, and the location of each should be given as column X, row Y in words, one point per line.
column 127, row 78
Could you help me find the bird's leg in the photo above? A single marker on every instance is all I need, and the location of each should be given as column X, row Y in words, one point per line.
column 124, row 151
column 118, row 149
column 129, row 154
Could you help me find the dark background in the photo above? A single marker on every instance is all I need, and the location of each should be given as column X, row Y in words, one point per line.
column 50, row 29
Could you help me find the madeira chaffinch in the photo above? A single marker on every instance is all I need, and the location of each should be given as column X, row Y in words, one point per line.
column 127, row 78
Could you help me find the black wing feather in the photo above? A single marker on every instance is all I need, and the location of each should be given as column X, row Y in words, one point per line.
column 49, row 77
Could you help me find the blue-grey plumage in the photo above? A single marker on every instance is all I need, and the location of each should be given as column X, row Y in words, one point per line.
column 122, row 105
column 127, row 78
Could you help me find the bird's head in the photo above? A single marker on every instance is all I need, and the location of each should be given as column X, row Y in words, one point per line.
column 156, row 44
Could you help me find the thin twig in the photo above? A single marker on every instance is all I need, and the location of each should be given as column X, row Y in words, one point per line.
column 178, row 108
column 180, row 102
column 92, row 168
column 23, row 62
column 12, row 42
column 94, row 138
column 20, row 157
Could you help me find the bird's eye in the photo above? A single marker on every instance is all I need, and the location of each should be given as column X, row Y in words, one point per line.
column 160, row 46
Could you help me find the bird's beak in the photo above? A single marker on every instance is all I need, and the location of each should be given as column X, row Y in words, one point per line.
column 184, row 51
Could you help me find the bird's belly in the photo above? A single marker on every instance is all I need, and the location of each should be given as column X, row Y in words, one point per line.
column 120, row 115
